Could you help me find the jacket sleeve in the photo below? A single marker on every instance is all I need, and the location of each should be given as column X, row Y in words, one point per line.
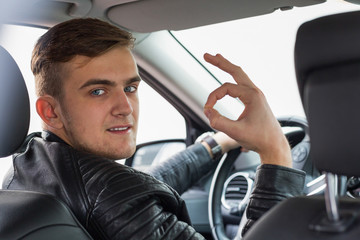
column 272, row 185
column 133, row 205
column 185, row 168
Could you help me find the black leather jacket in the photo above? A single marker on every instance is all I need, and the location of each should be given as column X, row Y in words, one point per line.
column 273, row 184
column 113, row 201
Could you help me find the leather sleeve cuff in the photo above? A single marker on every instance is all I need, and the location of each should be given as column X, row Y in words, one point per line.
column 273, row 184
column 279, row 180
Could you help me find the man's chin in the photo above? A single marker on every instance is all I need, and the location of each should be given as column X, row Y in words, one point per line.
column 121, row 155
column 112, row 151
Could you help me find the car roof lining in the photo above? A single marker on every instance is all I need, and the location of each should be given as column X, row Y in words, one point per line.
column 178, row 15
column 155, row 14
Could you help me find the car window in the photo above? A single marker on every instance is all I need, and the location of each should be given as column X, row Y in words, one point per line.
column 263, row 46
column 159, row 120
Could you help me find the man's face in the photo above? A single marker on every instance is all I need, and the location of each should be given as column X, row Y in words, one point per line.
column 99, row 104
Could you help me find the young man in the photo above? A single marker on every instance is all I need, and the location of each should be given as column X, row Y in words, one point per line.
column 87, row 81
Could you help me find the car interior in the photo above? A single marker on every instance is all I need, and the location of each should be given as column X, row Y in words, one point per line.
column 323, row 141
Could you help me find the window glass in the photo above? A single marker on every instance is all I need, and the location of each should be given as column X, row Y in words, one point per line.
column 158, row 118
column 263, row 46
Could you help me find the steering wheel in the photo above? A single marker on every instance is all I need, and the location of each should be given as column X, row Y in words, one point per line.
column 300, row 153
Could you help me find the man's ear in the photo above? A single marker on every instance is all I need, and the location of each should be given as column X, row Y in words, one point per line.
column 48, row 109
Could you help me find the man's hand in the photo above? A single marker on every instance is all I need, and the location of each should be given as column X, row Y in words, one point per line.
column 256, row 128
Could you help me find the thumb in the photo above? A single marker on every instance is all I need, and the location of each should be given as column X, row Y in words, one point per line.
column 218, row 121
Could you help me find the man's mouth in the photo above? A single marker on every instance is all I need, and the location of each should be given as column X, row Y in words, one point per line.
column 118, row 129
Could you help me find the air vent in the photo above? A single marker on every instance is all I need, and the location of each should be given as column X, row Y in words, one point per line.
column 237, row 189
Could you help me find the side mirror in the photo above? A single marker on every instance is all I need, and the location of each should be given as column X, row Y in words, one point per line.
column 153, row 153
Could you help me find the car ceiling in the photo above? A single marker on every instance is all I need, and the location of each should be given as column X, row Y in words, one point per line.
column 142, row 15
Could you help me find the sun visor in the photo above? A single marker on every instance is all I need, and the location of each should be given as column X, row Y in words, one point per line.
column 142, row 16
column 154, row 15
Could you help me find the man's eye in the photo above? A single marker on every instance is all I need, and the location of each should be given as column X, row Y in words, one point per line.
column 130, row 89
column 97, row 92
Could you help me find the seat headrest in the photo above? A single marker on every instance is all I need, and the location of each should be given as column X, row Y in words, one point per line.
column 14, row 105
column 327, row 65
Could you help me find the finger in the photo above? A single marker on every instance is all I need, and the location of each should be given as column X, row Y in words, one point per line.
column 217, row 94
column 219, row 61
column 235, row 71
column 244, row 149
column 230, row 89
column 221, row 123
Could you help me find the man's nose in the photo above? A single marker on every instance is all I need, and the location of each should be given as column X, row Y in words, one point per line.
column 122, row 104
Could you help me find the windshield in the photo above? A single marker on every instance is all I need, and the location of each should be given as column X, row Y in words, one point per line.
column 263, row 47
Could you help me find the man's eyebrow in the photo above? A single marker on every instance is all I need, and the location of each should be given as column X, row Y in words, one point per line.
column 107, row 82
column 97, row 82
column 134, row 79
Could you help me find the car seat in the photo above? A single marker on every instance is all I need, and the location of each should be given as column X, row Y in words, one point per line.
column 26, row 215
column 327, row 64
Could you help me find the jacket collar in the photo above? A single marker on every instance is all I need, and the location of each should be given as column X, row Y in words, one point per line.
column 46, row 135
column 51, row 137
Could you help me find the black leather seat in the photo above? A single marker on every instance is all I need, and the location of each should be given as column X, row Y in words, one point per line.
column 327, row 63
column 26, row 215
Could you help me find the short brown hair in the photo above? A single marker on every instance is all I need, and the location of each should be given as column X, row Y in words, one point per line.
column 85, row 36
